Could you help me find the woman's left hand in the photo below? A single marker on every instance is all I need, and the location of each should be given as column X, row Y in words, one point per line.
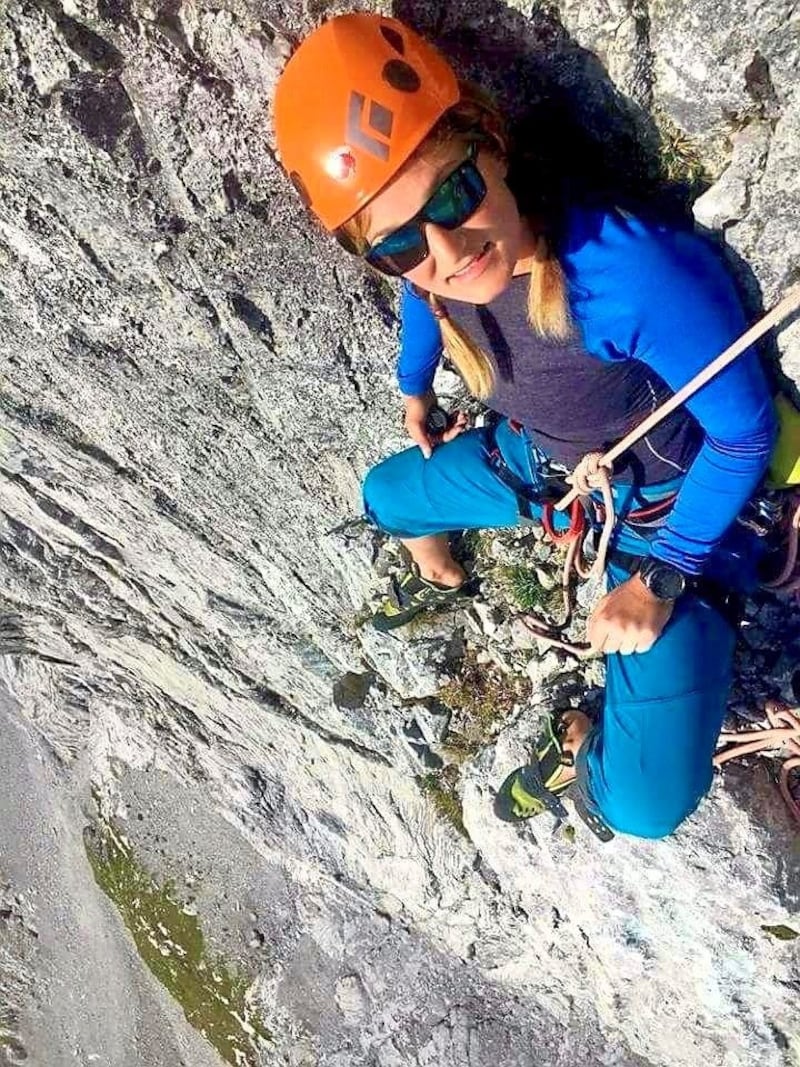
column 628, row 619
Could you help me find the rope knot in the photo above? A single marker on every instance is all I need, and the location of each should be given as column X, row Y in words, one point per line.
column 591, row 473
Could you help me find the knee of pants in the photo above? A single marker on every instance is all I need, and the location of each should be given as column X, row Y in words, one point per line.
column 383, row 497
column 649, row 810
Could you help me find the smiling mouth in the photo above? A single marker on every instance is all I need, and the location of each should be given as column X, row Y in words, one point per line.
column 474, row 262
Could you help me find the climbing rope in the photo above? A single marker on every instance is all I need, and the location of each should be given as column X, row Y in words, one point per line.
column 787, row 581
column 593, row 473
column 589, row 475
column 783, row 731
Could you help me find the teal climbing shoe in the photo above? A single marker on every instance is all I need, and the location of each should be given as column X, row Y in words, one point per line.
column 414, row 594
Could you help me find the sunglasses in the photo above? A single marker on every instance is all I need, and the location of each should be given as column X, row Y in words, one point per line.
column 457, row 198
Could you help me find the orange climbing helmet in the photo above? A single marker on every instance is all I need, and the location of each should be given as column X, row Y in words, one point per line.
column 351, row 105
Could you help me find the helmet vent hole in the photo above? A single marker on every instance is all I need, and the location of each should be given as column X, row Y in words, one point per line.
column 401, row 76
column 394, row 39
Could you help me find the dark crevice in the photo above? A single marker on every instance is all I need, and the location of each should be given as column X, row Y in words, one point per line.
column 67, row 518
column 279, row 706
column 643, row 86
column 84, row 346
column 758, row 82
column 94, row 259
column 26, row 80
column 117, row 12
column 342, row 356
column 382, row 297
column 56, row 425
column 253, row 317
column 98, row 106
column 90, row 46
column 234, row 193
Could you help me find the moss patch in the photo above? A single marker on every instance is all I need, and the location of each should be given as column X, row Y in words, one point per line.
column 522, row 585
column 171, row 943
column 441, row 791
column 781, row 932
column 481, row 698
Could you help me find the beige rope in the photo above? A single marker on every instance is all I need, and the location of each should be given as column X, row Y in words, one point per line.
column 593, row 472
column 783, row 731
column 785, row 583
column 782, row 310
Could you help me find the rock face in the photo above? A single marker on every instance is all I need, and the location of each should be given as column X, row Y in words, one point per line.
column 193, row 383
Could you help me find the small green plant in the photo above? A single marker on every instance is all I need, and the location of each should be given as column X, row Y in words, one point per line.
column 781, row 932
column 481, row 698
column 171, row 943
column 523, row 586
column 441, row 789
column 680, row 158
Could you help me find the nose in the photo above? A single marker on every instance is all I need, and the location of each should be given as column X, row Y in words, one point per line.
column 446, row 246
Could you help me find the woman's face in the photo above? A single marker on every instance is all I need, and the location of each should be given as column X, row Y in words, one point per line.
column 475, row 262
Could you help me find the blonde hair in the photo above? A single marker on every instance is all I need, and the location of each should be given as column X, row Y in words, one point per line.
column 476, row 118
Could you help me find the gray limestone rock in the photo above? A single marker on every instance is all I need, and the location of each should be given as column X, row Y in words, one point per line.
column 193, row 382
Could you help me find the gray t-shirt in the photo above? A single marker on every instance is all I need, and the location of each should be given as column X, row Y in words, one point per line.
column 573, row 402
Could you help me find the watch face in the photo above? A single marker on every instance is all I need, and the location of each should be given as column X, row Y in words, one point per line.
column 664, row 581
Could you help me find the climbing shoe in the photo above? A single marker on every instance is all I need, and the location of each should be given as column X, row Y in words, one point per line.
column 414, row 594
column 538, row 786
column 535, row 788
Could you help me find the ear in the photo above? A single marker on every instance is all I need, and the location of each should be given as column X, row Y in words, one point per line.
column 495, row 135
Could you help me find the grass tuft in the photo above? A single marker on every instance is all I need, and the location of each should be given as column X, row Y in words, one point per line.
column 441, row 790
column 481, row 698
column 679, row 156
column 522, row 585
column 171, row 943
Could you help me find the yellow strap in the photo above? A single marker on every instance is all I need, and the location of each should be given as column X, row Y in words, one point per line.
column 784, row 465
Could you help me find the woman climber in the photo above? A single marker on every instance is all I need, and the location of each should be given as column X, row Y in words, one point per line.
column 572, row 324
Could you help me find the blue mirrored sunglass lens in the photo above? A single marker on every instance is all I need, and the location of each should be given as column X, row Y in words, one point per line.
column 397, row 241
column 457, row 198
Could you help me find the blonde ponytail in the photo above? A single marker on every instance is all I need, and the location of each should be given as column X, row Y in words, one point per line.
column 469, row 359
column 548, row 308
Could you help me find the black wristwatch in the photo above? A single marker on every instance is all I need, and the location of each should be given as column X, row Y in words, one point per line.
column 662, row 579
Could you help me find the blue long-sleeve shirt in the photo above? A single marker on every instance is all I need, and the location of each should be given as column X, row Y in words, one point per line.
column 661, row 296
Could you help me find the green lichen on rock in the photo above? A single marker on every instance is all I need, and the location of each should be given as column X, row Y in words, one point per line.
column 441, row 790
column 170, row 941
column 781, row 932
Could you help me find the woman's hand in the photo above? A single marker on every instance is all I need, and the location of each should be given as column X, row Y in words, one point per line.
column 628, row 619
column 416, row 415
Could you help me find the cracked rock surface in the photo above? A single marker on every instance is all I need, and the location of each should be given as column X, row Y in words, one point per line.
column 193, row 382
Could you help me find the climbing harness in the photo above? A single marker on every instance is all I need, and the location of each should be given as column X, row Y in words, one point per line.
column 593, row 474
column 587, row 515
column 783, row 731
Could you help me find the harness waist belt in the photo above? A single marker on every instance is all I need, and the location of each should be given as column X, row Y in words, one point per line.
column 650, row 516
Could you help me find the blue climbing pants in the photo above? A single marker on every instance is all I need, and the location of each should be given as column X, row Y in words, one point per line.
column 647, row 763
